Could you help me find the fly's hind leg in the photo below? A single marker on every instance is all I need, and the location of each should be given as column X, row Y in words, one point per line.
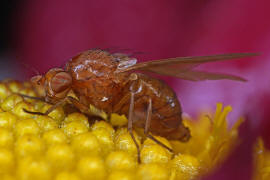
column 148, row 123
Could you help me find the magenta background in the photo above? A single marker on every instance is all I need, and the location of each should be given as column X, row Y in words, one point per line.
column 50, row 32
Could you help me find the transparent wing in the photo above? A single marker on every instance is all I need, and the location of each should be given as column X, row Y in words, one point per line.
column 193, row 75
column 182, row 67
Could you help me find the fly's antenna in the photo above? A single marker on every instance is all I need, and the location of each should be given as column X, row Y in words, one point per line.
column 30, row 68
column 136, row 53
column 114, row 49
column 125, row 51
column 63, row 65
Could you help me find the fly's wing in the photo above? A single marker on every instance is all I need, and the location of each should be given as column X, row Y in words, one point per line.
column 193, row 75
column 182, row 67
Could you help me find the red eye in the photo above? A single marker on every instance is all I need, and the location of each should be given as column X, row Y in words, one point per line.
column 60, row 82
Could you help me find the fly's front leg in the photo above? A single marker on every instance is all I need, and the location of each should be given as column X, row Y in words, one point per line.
column 53, row 107
column 42, row 99
column 32, row 97
column 148, row 123
column 80, row 106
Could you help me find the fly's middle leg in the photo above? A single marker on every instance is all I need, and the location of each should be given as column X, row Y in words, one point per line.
column 130, row 124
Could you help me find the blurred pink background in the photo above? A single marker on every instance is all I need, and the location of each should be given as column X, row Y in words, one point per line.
column 50, row 32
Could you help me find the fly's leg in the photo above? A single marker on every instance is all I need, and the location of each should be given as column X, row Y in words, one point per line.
column 123, row 101
column 130, row 124
column 118, row 106
column 61, row 102
column 32, row 97
column 148, row 123
column 83, row 108
column 40, row 99
column 80, row 106
column 86, row 109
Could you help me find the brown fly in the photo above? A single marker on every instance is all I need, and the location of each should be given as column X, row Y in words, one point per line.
column 108, row 82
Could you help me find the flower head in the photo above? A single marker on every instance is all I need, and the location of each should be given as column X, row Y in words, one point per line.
column 65, row 145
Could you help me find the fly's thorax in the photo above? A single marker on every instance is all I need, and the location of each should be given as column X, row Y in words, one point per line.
column 95, row 79
column 92, row 64
column 98, row 63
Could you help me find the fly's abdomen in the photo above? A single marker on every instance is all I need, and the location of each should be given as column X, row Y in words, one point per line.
column 166, row 109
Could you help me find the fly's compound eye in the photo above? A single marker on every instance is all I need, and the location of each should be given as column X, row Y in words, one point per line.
column 60, row 82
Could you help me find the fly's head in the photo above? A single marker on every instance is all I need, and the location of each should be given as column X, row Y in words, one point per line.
column 56, row 84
